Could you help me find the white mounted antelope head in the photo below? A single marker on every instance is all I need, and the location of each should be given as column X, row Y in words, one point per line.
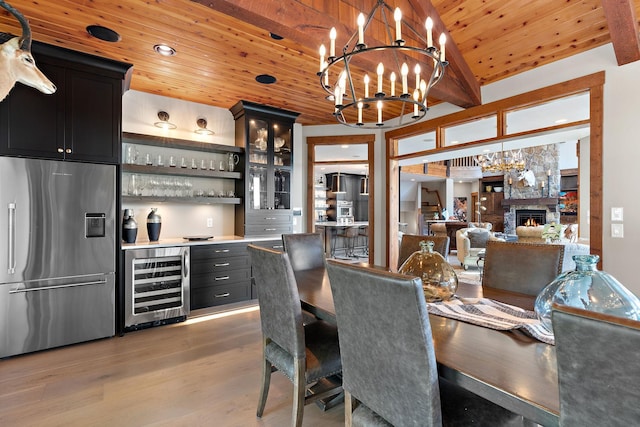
column 16, row 62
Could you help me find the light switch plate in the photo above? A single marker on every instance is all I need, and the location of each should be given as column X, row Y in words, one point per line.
column 617, row 231
column 617, row 214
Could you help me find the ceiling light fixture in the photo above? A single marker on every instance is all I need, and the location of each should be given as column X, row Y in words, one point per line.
column 202, row 128
column 337, row 184
column 164, row 50
column 502, row 161
column 353, row 104
column 164, row 122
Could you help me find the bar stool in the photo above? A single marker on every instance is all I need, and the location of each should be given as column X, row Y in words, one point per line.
column 349, row 234
column 363, row 234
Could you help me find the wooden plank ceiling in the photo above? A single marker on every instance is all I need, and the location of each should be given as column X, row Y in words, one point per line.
column 222, row 45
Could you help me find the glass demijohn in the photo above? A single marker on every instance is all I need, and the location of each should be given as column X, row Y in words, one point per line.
column 587, row 288
column 439, row 280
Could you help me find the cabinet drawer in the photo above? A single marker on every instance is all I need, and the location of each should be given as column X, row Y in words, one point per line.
column 219, row 278
column 275, row 244
column 268, row 229
column 221, row 264
column 223, row 250
column 271, row 216
column 218, row 295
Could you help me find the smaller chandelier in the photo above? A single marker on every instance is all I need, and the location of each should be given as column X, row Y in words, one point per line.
column 385, row 105
column 503, row 161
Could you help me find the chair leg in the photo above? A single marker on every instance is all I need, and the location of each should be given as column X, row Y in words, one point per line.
column 299, row 392
column 348, row 409
column 264, row 391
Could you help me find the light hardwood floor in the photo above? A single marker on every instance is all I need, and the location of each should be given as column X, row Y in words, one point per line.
column 187, row 374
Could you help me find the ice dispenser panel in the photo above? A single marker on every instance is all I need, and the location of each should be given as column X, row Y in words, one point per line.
column 94, row 224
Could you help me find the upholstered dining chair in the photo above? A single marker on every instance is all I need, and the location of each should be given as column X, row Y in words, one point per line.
column 598, row 370
column 521, row 267
column 390, row 375
column 306, row 250
column 410, row 243
column 307, row 354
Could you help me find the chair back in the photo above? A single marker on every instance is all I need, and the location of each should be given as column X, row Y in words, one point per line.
column 388, row 359
column 521, row 267
column 306, row 250
column 280, row 311
column 410, row 243
column 598, row 369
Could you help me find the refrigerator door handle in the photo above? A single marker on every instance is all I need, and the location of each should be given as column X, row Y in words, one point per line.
column 46, row 288
column 12, row 239
column 185, row 264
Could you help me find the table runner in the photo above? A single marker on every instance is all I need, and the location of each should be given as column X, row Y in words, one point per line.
column 492, row 314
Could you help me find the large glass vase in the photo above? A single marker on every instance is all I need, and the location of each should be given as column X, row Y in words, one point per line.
column 439, row 280
column 587, row 288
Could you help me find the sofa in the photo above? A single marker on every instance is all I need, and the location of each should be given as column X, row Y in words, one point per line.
column 567, row 238
column 470, row 243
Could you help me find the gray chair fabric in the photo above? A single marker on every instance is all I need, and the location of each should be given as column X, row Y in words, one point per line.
column 304, row 353
column 306, row 250
column 598, row 369
column 388, row 359
column 521, row 267
column 410, row 243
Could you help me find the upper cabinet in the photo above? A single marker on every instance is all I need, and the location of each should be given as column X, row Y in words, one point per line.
column 81, row 121
column 267, row 135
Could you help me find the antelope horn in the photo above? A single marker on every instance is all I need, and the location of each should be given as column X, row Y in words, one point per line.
column 25, row 40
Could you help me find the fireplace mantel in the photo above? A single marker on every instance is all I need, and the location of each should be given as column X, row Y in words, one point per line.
column 551, row 202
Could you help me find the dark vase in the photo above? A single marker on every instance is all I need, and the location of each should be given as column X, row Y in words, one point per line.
column 129, row 227
column 154, row 222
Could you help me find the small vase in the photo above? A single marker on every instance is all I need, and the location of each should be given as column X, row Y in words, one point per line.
column 587, row 288
column 154, row 223
column 439, row 280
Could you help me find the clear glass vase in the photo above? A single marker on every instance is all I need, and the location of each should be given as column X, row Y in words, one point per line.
column 439, row 280
column 588, row 288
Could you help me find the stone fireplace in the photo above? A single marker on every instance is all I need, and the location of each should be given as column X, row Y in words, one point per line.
column 521, row 201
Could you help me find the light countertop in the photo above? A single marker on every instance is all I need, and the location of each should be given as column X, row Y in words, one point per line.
column 179, row 241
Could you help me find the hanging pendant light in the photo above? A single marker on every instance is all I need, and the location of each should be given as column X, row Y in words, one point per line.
column 364, row 183
column 337, row 184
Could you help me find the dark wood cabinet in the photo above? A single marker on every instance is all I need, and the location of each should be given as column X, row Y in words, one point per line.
column 266, row 133
column 220, row 274
column 81, row 121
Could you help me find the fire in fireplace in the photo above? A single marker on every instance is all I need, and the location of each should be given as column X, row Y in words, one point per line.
column 531, row 217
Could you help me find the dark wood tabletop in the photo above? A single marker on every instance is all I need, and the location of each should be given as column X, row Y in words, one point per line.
column 508, row 368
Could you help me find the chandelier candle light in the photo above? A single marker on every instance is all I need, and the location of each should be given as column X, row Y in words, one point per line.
column 350, row 94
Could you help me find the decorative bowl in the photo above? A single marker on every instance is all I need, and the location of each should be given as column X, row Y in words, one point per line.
column 498, row 189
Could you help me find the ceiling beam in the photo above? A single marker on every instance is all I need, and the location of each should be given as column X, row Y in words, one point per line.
column 623, row 28
column 309, row 27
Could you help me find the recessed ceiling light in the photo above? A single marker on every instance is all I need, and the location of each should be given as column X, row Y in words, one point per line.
column 344, row 146
column 560, row 121
column 454, row 142
column 413, row 179
column 486, row 150
column 103, row 33
column 164, row 50
column 265, row 79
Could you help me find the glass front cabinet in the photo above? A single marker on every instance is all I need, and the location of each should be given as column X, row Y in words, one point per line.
column 266, row 134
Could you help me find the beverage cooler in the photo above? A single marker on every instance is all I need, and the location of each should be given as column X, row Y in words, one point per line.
column 156, row 286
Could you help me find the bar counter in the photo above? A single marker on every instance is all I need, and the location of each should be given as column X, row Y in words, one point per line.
column 329, row 229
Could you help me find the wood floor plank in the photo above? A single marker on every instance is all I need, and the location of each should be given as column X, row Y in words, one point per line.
column 199, row 374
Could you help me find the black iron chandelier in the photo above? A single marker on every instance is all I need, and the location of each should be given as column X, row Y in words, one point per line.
column 354, row 103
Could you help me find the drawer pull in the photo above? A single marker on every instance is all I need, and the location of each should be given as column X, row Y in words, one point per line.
column 226, row 294
column 270, row 218
column 277, row 247
column 222, row 278
column 222, row 264
column 222, row 251
column 270, row 229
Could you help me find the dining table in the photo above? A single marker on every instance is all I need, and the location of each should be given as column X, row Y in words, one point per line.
column 509, row 368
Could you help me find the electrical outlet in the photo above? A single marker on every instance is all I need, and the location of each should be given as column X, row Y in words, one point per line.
column 209, row 222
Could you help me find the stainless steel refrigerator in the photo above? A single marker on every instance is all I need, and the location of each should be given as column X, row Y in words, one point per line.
column 57, row 253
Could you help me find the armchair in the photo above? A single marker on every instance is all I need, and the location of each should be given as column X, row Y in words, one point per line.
column 470, row 243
